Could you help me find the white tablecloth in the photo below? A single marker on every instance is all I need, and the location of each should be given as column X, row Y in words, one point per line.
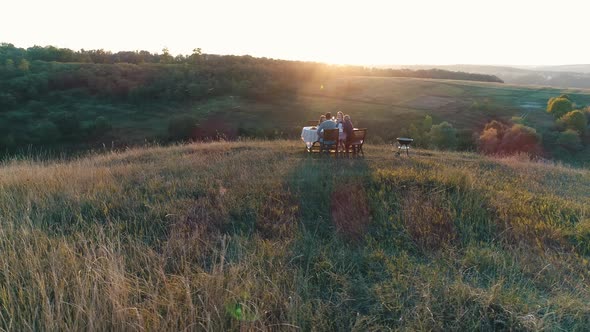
column 309, row 136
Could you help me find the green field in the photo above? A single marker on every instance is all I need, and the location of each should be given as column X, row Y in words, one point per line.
column 387, row 106
column 260, row 236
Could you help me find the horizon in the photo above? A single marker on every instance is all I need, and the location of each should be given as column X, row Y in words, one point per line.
column 426, row 33
column 329, row 63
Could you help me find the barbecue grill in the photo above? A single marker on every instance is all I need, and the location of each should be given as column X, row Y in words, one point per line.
column 403, row 143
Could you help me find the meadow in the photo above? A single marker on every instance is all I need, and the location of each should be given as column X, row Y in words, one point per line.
column 258, row 235
column 386, row 105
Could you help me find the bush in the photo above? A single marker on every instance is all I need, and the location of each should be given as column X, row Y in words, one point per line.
column 7, row 141
column 489, row 140
column 570, row 139
column 575, row 120
column 427, row 123
column 466, row 140
column 443, row 136
column 559, row 106
column 102, row 125
column 520, row 139
column 182, row 127
column 499, row 138
column 46, row 132
column 7, row 100
column 68, row 123
column 518, row 120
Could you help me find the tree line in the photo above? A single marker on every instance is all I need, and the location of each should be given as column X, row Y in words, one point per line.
column 17, row 56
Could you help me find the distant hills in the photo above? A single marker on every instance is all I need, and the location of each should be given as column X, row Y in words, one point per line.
column 566, row 76
column 564, row 68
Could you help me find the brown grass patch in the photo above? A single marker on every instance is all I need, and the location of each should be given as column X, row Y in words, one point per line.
column 350, row 211
column 429, row 222
column 208, row 214
column 278, row 215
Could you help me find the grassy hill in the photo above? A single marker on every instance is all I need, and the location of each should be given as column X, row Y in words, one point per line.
column 258, row 235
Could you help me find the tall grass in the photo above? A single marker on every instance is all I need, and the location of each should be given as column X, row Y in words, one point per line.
column 260, row 236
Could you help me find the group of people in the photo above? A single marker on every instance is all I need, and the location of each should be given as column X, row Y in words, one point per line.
column 342, row 123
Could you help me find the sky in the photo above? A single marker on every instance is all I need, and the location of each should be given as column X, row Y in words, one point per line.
column 369, row 32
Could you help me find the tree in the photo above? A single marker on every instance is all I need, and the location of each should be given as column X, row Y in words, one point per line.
column 46, row 132
column 443, row 136
column 491, row 137
column 466, row 140
column 166, row 57
column 23, row 65
column 489, row 140
column 67, row 123
column 520, row 138
column 417, row 135
column 196, row 56
column 427, row 123
column 7, row 100
column 559, row 106
column 102, row 125
column 499, row 138
column 9, row 64
column 575, row 120
column 499, row 126
column 570, row 139
column 182, row 127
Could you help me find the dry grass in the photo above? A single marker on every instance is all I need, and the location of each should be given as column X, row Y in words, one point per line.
column 255, row 236
column 350, row 211
column 427, row 220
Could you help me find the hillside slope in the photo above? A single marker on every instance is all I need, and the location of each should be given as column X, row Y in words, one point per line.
column 258, row 235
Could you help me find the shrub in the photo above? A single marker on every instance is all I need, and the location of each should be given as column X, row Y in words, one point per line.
column 7, row 100
column 499, row 138
column 575, row 120
column 466, row 140
column 182, row 127
column 427, row 123
column 520, row 139
column 7, row 141
column 489, row 140
column 46, row 132
column 68, row 123
column 518, row 120
column 443, row 136
column 102, row 125
column 570, row 139
column 418, row 136
column 559, row 106
column 97, row 128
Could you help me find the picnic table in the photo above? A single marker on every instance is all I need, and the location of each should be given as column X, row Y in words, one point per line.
column 309, row 135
